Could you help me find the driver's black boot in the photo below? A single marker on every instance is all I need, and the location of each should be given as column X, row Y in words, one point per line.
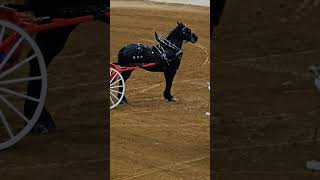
column 45, row 124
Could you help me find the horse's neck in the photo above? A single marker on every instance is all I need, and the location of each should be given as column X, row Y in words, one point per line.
column 176, row 40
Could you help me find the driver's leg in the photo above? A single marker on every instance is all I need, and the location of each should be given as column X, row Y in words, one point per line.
column 50, row 43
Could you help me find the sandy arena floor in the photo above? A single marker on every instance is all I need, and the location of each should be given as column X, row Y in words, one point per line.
column 150, row 138
column 266, row 105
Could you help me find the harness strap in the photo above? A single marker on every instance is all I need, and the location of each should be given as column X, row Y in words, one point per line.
column 169, row 44
column 162, row 53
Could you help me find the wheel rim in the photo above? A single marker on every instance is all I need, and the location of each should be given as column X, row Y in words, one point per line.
column 14, row 77
column 116, row 82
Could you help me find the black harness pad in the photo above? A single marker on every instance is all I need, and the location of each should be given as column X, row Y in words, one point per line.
column 135, row 55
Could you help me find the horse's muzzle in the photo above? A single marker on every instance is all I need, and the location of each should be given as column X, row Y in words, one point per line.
column 194, row 38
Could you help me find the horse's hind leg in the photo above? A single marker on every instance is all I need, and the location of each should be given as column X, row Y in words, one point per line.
column 125, row 75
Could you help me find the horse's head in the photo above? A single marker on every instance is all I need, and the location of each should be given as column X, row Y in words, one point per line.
column 186, row 33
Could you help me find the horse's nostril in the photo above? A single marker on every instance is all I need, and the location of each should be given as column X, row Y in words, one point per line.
column 195, row 38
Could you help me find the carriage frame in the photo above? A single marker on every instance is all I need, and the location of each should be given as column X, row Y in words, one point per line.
column 117, row 82
column 21, row 28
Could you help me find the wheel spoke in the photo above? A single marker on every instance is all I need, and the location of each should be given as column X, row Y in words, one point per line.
column 114, row 87
column 10, row 70
column 111, row 101
column 114, row 96
column 19, row 94
column 14, row 109
column 116, row 91
column 115, row 82
column 13, row 81
column 6, row 124
column 113, row 78
column 3, row 30
column 8, row 56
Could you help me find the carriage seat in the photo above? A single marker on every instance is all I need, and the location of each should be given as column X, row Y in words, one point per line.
column 77, row 11
column 13, row 16
column 68, row 9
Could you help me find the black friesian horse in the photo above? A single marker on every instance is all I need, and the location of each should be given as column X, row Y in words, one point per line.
column 167, row 56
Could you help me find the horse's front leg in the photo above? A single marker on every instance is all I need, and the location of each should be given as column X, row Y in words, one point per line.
column 169, row 75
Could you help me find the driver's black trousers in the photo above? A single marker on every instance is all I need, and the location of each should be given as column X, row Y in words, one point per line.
column 51, row 42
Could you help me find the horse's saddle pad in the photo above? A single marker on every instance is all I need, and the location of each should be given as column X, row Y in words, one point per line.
column 135, row 55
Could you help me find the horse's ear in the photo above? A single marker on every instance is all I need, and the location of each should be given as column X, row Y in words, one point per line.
column 156, row 34
column 179, row 24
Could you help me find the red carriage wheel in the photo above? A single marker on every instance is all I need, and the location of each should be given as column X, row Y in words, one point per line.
column 117, row 87
column 18, row 51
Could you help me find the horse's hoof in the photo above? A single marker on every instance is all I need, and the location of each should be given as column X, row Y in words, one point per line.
column 40, row 129
column 124, row 101
column 173, row 100
column 44, row 125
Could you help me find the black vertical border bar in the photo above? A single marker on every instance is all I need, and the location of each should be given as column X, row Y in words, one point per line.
column 216, row 12
column 107, row 118
column 211, row 92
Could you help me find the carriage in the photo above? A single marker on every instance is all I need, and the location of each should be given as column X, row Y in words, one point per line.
column 18, row 50
column 117, row 82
